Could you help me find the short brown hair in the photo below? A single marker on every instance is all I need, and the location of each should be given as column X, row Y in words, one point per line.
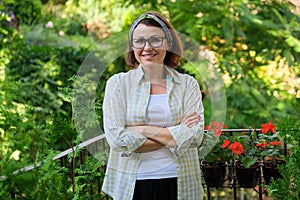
column 173, row 54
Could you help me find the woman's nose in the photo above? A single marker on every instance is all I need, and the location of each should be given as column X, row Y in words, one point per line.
column 147, row 45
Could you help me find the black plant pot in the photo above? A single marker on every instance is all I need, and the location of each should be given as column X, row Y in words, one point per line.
column 270, row 170
column 247, row 177
column 214, row 173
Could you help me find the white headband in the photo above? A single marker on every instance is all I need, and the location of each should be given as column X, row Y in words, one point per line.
column 155, row 18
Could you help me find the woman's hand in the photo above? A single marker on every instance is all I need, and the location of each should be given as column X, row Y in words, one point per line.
column 191, row 119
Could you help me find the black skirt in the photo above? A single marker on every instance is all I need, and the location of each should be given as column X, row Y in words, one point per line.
column 156, row 189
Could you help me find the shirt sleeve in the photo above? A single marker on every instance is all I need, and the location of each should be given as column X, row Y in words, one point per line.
column 114, row 110
column 184, row 136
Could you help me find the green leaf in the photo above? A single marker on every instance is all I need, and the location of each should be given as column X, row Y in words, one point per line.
column 258, row 96
column 249, row 161
column 293, row 42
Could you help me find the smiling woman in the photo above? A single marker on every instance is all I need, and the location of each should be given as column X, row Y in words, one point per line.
column 165, row 29
column 151, row 45
column 153, row 119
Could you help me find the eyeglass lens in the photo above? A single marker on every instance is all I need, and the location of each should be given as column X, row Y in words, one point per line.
column 154, row 41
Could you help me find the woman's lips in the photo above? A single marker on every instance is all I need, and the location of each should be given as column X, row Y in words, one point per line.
column 148, row 56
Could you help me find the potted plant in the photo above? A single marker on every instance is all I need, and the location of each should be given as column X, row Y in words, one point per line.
column 269, row 145
column 246, row 166
column 217, row 154
column 245, row 153
column 238, row 151
column 214, row 163
column 252, row 151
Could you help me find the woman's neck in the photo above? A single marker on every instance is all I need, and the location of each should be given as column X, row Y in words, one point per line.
column 154, row 72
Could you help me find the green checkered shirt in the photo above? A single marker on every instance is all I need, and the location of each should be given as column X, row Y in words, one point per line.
column 125, row 103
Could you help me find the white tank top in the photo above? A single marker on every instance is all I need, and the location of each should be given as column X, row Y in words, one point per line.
column 157, row 164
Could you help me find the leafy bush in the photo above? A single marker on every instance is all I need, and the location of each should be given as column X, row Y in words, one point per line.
column 288, row 187
column 25, row 11
column 45, row 182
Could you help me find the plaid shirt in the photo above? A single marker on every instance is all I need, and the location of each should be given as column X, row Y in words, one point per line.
column 125, row 103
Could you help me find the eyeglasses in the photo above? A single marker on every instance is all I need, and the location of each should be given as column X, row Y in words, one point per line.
column 154, row 42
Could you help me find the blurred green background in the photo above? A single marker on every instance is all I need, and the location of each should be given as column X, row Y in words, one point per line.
column 254, row 45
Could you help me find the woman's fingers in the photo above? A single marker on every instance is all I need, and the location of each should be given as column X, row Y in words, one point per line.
column 191, row 119
column 192, row 123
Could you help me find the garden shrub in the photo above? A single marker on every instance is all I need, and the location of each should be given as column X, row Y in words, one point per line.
column 25, row 11
column 288, row 187
column 38, row 67
column 45, row 182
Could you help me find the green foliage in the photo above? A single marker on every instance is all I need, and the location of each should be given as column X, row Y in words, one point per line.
column 44, row 182
column 87, row 176
column 61, row 129
column 255, row 46
column 31, row 106
column 288, row 186
column 26, row 11
column 41, row 70
column 36, row 113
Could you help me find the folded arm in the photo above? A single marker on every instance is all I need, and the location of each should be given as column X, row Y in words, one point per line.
column 114, row 110
column 148, row 146
column 187, row 134
column 159, row 136
column 187, row 137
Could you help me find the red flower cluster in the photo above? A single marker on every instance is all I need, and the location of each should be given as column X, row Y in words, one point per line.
column 263, row 145
column 225, row 144
column 268, row 127
column 265, row 128
column 236, row 148
column 276, row 143
column 216, row 127
column 260, row 146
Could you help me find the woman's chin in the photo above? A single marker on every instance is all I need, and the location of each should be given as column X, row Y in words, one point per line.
column 151, row 62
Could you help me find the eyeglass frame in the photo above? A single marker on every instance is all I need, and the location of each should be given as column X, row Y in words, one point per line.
column 148, row 41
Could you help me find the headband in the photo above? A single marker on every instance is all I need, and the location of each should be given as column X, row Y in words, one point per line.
column 155, row 18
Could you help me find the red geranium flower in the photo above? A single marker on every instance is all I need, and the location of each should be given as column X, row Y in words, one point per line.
column 268, row 127
column 276, row 143
column 264, row 144
column 225, row 144
column 261, row 145
column 216, row 127
column 237, row 148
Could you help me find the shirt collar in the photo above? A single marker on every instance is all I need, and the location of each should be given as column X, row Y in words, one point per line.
column 171, row 74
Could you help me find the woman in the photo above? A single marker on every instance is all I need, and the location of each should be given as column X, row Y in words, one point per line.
column 153, row 119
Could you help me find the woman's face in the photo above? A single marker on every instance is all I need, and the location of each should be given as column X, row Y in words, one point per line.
column 149, row 44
